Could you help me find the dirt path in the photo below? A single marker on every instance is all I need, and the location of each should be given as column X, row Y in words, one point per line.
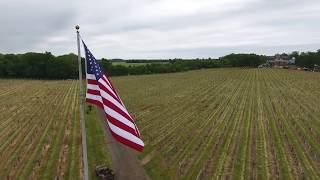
column 124, row 161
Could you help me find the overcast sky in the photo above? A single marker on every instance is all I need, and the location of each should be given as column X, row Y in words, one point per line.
column 160, row 28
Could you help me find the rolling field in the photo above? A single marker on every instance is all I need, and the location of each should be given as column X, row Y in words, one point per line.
column 227, row 123
column 39, row 131
column 206, row 124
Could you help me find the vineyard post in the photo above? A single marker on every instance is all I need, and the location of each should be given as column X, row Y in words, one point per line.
column 83, row 127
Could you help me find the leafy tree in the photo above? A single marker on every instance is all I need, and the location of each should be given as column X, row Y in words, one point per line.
column 47, row 66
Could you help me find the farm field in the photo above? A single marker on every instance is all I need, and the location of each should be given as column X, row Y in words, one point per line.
column 40, row 131
column 227, row 123
column 205, row 124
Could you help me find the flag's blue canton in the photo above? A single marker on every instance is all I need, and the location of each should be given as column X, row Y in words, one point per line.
column 92, row 65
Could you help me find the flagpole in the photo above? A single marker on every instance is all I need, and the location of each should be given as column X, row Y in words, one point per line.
column 83, row 127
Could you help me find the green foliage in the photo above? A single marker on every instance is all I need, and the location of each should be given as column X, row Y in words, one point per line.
column 308, row 59
column 47, row 66
column 38, row 66
column 244, row 60
column 155, row 68
column 62, row 67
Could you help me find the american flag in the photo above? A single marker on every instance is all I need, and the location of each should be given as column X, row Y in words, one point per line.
column 102, row 93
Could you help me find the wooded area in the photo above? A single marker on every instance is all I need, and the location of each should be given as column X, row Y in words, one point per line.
column 47, row 66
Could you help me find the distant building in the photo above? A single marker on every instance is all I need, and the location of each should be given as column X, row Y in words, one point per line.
column 281, row 60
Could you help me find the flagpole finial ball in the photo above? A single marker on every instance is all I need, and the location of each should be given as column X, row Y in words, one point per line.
column 77, row 27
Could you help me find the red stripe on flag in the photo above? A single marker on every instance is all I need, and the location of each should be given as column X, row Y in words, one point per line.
column 108, row 82
column 117, row 109
column 106, row 79
column 116, row 114
column 126, row 142
column 95, row 102
column 102, row 87
column 94, row 92
column 121, row 125
column 91, row 81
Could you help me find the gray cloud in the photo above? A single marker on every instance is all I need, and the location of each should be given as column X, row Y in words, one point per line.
column 27, row 24
column 162, row 28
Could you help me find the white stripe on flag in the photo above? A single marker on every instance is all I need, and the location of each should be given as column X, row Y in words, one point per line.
column 125, row 134
column 91, row 76
column 107, row 86
column 119, row 117
column 94, row 97
column 114, row 93
column 111, row 112
column 93, row 87
column 113, row 101
column 106, row 79
column 102, row 93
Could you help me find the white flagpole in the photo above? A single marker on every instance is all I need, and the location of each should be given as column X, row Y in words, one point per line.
column 83, row 127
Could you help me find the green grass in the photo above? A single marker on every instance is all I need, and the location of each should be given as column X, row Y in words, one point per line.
column 98, row 153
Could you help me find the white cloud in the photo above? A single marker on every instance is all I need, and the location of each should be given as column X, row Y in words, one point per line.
column 161, row 28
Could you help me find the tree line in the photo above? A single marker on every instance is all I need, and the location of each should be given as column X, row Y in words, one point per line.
column 38, row 66
column 306, row 59
column 47, row 66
